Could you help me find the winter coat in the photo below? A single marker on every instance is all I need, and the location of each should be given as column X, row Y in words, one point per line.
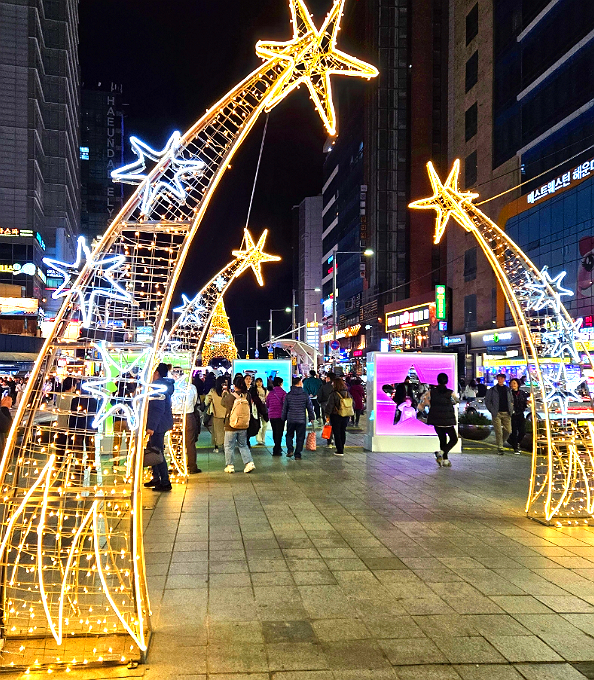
column 402, row 391
column 160, row 418
column 260, row 405
column 324, row 392
column 441, row 408
column 492, row 401
column 311, row 385
column 228, row 399
column 219, row 411
column 333, row 403
column 274, row 401
column 358, row 393
column 520, row 399
column 296, row 403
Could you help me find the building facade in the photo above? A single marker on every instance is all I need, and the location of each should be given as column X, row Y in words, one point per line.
column 101, row 151
column 39, row 143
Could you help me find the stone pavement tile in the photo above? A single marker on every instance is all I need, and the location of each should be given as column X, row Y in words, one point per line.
column 468, row 650
column 261, row 544
column 257, row 564
column 293, row 675
column 226, row 555
column 496, row 624
column 287, row 631
column 177, row 581
column 192, row 661
column 562, row 671
column 361, row 578
column 421, row 606
column 302, row 564
column 568, row 641
column 345, row 564
column 378, row 551
column 296, row 656
column 453, row 625
column 168, row 672
column 535, row 562
column 566, row 604
column 267, row 578
column 238, row 676
column 186, row 598
column 427, row 673
column 336, row 630
column 238, row 606
column 488, row 582
column 337, row 553
column 585, row 622
column 352, row 654
column 229, row 580
column 523, row 648
column 406, row 652
column 301, row 553
column 189, row 546
column 314, row 578
column 393, row 627
column 235, row 632
column 383, row 563
column 188, row 568
column 236, row 658
column 228, row 567
column 363, row 674
column 322, row 602
column 524, row 604
column 529, row 582
column 397, row 577
column 157, row 558
column 159, row 569
column 295, row 543
column 488, row 672
column 437, row 575
column 368, row 609
column 183, row 557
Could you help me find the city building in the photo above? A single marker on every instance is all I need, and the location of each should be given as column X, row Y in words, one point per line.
column 308, row 313
column 101, row 151
column 522, row 121
column 377, row 166
column 39, row 152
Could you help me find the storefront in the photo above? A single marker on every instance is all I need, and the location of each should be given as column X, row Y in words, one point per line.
column 497, row 351
column 418, row 327
column 351, row 340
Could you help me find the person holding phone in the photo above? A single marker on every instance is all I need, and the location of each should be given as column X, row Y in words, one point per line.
column 214, row 406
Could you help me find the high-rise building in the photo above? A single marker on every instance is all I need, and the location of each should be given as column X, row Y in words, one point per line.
column 522, row 122
column 39, row 142
column 376, row 167
column 101, row 151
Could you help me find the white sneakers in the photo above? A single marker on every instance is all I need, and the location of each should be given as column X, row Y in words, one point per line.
column 230, row 469
column 249, row 467
column 439, row 458
column 447, row 463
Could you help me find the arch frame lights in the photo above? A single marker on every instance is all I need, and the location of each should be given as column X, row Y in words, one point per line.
column 121, row 295
column 561, row 489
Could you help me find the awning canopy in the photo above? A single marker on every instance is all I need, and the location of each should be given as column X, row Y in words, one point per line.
column 305, row 354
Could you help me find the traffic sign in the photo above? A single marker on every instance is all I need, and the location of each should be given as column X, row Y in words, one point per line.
column 334, row 344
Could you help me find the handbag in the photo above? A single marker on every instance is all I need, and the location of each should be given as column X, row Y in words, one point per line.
column 208, row 414
column 152, row 456
column 253, row 427
column 310, row 444
column 327, row 431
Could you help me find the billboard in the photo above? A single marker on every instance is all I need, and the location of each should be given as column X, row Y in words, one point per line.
column 10, row 306
column 265, row 369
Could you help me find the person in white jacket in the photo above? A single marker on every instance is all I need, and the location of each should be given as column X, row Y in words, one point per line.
column 183, row 402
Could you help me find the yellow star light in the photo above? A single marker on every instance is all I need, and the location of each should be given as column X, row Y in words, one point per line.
column 254, row 256
column 312, row 58
column 446, row 199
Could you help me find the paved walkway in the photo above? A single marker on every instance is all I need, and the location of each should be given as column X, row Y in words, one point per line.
column 371, row 567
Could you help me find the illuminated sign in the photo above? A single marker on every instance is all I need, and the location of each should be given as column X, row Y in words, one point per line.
column 452, row 340
column 440, row 303
column 561, row 181
column 357, row 352
column 10, row 306
column 348, row 332
column 40, row 240
column 23, row 233
column 28, row 268
column 84, row 153
column 409, row 318
column 498, row 338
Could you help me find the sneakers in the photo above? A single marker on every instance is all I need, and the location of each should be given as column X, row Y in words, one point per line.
column 338, row 454
column 289, row 454
column 500, row 451
column 439, row 458
column 230, row 469
column 162, row 487
column 249, row 467
column 150, row 484
column 297, row 456
column 517, row 451
column 447, row 462
column 216, row 449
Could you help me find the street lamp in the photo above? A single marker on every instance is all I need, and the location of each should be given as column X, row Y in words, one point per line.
column 247, row 341
column 368, row 253
column 286, row 310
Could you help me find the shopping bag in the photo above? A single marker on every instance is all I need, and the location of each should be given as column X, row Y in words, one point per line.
column 152, row 456
column 310, row 444
column 327, row 431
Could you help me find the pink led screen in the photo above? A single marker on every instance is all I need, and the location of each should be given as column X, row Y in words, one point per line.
column 391, row 369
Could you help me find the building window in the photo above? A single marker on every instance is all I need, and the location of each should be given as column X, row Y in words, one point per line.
column 472, row 71
column 470, row 313
column 470, row 170
column 470, row 121
column 470, row 264
column 472, row 24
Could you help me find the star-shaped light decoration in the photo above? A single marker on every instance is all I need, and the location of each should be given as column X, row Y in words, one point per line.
column 220, row 282
column 191, row 309
column 103, row 388
column 312, row 57
column 562, row 389
column 134, row 173
column 103, row 269
column 539, row 296
column 564, row 340
column 254, row 256
column 446, row 200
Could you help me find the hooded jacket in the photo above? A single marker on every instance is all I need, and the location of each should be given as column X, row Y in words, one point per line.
column 160, row 417
column 275, row 400
column 297, row 402
column 324, row 392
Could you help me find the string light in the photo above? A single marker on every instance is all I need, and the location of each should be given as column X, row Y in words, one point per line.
column 219, row 340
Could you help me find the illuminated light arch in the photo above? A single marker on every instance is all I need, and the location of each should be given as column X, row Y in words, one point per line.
column 122, row 294
column 562, row 477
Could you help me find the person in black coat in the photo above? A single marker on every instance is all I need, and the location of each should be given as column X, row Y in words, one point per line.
column 5, row 421
column 402, row 392
column 518, row 419
column 441, row 402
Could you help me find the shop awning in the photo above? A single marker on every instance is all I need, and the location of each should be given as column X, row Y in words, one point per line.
column 305, row 354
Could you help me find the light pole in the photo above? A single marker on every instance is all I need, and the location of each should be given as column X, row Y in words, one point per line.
column 287, row 310
column 336, row 253
column 257, row 351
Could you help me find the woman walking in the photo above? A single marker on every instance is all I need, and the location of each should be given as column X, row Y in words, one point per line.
column 214, row 405
column 518, row 419
column 258, row 391
column 274, row 402
column 358, row 393
column 237, row 419
column 339, row 408
column 441, row 402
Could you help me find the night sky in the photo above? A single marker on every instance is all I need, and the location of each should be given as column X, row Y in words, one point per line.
column 176, row 59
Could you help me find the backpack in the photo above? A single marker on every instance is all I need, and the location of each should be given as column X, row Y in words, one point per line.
column 239, row 418
column 346, row 407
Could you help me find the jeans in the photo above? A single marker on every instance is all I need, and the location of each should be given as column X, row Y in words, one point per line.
column 518, row 430
column 161, row 471
column 339, row 426
column 443, row 433
column 278, row 425
column 501, row 424
column 299, row 430
column 190, row 437
column 316, row 406
column 237, row 438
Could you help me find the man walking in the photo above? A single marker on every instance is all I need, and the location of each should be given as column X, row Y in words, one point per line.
column 296, row 406
column 311, row 385
column 324, row 393
column 500, row 403
column 159, row 421
column 183, row 403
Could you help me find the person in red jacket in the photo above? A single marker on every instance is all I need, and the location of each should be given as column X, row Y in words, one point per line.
column 357, row 391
